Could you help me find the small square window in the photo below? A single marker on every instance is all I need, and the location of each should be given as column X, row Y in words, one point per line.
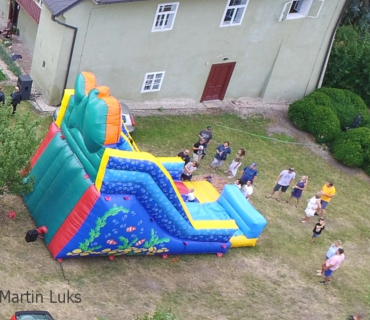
column 234, row 13
column 153, row 81
column 165, row 17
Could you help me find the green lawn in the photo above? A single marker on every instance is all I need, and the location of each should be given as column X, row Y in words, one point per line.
column 274, row 280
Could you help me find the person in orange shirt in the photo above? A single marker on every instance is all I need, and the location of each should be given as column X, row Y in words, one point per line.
column 327, row 193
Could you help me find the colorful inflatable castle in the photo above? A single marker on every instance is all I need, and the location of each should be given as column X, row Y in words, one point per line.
column 99, row 195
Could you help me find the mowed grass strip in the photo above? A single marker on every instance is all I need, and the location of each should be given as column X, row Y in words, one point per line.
column 274, row 280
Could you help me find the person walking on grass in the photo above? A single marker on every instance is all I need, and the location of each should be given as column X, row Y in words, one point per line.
column 332, row 264
column 221, row 154
column 235, row 164
column 318, row 228
column 298, row 189
column 330, row 253
column 313, row 205
column 328, row 192
column 282, row 183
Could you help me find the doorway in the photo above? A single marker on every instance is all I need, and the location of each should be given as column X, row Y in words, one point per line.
column 218, row 81
column 14, row 8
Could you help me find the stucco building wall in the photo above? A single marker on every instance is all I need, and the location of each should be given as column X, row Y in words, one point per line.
column 273, row 59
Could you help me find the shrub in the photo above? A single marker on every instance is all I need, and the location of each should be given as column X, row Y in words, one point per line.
column 300, row 111
column 352, row 148
column 346, row 106
column 314, row 114
column 323, row 124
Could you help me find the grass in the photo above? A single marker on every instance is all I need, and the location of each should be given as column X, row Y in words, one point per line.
column 274, row 280
column 4, row 55
column 2, row 76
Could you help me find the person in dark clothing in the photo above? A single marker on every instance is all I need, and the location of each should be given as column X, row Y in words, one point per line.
column 319, row 227
column 2, row 96
column 184, row 155
column 16, row 99
column 356, row 122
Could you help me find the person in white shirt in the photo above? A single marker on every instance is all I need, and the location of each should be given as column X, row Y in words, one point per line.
column 190, row 196
column 246, row 189
column 282, row 183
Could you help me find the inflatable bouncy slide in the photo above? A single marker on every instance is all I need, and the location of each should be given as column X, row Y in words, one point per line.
column 99, row 195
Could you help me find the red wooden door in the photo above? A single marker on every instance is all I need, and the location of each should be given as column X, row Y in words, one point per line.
column 217, row 82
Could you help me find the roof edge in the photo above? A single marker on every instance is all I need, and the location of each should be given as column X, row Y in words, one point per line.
column 59, row 11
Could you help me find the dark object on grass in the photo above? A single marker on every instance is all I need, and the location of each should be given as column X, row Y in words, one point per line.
column 16, row 56
column 31, row 235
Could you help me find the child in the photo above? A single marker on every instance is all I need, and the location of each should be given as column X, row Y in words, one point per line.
column 234, row 166
column 190, row 196
column 319, row 227
column 313, row 204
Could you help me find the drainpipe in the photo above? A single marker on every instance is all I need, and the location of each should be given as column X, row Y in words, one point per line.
column 325, row 63
column 75, row 29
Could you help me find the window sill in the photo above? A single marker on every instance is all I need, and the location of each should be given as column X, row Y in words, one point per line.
column 292, row 16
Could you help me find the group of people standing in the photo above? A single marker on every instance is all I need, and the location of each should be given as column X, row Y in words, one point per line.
column 205, row 136
column 16, row 98
column 316, row 206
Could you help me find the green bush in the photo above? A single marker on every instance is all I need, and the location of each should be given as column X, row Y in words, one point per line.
column 314, row 114
column 366, row 167
column 346, row 106
column 352, row 148
column 348, row 66
column 298, row 113
column 323, row 123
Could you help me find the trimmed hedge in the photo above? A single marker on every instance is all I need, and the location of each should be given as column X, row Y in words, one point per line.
column 327, row 112
column 346, row 106
column 353, row 147
column 300, row 111
column 314, row 114
column 323, row 124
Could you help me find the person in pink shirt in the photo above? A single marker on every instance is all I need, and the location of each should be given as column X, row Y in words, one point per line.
column 331, row 265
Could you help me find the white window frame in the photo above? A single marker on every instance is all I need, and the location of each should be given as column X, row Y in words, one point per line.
column 303, row 7
column 149, row 80
column 234, row 7
column 165, row 19
column 38, row 2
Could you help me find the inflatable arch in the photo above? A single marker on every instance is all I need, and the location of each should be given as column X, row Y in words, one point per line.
column 99, row 195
